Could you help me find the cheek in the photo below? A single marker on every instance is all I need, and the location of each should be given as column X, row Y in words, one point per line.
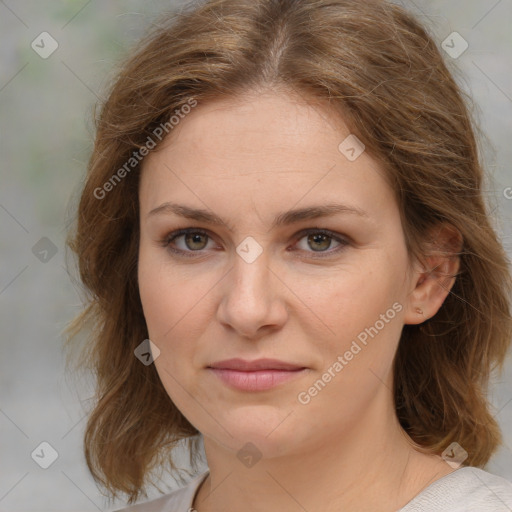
column 167, row 297
column 364, row 311
column 365, row 314
column 175, row 309
column 168, row 305
column 356, row 298
column 155, row 300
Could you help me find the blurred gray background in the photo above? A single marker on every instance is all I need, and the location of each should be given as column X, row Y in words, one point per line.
column 46, row 135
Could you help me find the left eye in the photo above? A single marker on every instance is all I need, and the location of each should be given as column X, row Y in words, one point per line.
column 197, row 240
column 320, row 241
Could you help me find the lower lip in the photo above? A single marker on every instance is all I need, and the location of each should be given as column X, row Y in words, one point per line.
column 260, row 380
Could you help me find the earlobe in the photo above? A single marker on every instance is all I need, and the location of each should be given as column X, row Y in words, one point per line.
column 434, row 279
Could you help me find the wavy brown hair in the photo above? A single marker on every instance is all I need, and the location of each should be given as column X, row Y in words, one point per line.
column 382, row 71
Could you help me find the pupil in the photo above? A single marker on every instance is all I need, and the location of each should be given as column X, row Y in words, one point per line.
column 194, row 237
column 322, row 237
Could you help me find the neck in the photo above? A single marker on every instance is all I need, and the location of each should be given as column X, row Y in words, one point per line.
column 370, row 466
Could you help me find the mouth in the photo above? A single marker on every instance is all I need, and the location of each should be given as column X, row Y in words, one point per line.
column 259, row 375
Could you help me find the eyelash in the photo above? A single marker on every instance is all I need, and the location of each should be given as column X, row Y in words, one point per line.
column 190, row 254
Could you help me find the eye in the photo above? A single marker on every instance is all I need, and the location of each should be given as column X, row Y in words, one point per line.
column 320, row 240
column 196, row 240
column 193, row 240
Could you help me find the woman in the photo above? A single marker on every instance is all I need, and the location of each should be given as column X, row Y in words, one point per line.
column 285, row 198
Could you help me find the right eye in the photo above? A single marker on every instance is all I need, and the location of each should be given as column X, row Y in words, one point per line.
column 193, row 241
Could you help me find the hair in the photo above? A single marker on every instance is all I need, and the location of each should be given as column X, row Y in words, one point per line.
column 377, row 66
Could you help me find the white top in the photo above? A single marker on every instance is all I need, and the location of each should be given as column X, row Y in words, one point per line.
column 467, row 489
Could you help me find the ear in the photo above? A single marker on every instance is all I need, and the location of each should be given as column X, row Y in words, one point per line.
column 433, row 279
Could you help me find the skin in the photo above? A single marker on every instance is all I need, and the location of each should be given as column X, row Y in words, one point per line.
column 247, row 159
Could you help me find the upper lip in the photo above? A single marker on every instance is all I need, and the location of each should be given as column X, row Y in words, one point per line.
column 258, row 364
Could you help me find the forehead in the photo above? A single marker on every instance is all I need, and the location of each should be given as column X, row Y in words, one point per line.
column 267, row 149
column 276, row 120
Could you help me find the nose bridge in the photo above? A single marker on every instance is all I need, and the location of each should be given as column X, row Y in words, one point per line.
column 249, row 298
column 251, row 268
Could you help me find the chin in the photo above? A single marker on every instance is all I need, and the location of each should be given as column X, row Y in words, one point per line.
column 266, row 427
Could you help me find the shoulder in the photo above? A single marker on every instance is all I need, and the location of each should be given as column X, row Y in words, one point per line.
column 177, row 501
column 467, row 489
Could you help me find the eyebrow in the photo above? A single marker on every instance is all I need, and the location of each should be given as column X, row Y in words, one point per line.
column 282, row 219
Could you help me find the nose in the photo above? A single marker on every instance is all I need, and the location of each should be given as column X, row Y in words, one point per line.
column 253, row 298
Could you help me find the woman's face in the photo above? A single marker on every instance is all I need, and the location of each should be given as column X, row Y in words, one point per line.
column 269, row 272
